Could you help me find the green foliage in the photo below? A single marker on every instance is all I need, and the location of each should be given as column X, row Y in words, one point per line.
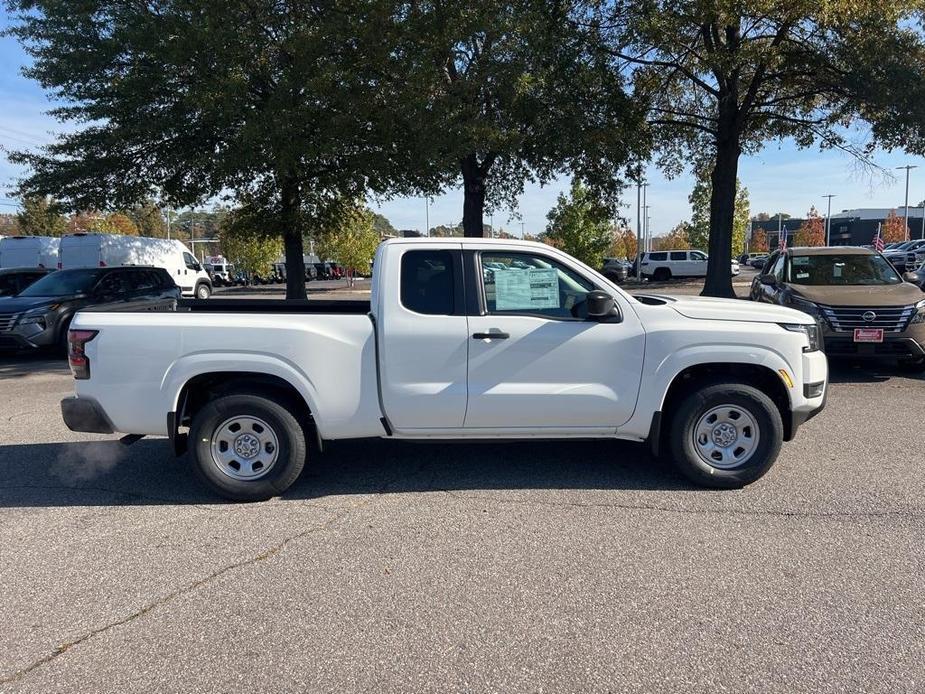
column 382, row 225
column 41, row 216
column 724, row 78
column 351, row 241
column 699, row 228
column 581, row 225
column 501, row 93
column 148, row 219
column 245, row 242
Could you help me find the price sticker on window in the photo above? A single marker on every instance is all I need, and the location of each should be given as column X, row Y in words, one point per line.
column 526, row 290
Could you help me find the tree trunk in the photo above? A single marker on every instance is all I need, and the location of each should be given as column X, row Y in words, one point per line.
column 473, row 196
column 292, row 241
column 722, row 214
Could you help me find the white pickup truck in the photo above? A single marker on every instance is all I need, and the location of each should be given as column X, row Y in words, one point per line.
column 462, row 339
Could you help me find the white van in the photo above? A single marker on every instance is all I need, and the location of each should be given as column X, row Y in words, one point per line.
column 108, row 250
column 29, row 251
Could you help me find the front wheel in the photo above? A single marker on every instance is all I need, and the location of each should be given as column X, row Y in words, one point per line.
column 726, row 435
column 203, row 291
column 247, row 447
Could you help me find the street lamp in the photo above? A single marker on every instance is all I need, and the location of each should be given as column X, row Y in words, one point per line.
column 908, row 168
column 828, row 223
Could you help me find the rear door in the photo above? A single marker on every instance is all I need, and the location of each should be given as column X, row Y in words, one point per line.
column 535, row 361
column 679, row 264
column 423, row 338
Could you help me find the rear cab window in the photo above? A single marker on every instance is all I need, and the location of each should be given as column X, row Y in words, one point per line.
column 429, row 282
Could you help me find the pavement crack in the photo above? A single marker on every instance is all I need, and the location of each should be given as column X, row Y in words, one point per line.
column 192, row 587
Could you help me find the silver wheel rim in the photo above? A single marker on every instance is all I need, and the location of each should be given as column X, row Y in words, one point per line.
column 203, row 293
column 726, row 437
column 244, row 448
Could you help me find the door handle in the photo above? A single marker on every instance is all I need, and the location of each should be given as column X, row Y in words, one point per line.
column 490, row 336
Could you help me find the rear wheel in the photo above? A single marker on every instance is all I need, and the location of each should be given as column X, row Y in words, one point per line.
column 726, row 435
column 662, row 274
column 247, row 447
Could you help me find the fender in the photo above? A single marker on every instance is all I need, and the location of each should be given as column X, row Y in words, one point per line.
column 655, row 387
column 189, row 366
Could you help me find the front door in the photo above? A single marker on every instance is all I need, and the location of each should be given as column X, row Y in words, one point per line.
column 536, row 361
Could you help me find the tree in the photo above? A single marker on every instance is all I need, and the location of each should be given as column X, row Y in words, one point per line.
column 122, row 224
column 9, row 225
column 505, row 92
column 383, row 226
column 894, row 228
column 580, row 225
column 765, row 217
column 280, row 104
column 699, row 231
column 812, row 231
column 676, row 239
column 722, row 78
column 247, row 244
column 41, row 215
column 148, row 219
column 624, row 242
column 351, row 242
column 759, row 242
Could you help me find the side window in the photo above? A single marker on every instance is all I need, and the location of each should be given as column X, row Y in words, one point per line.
column 535, row 284
column 658, row 256
column 428, row 283
column 190, row 261
column 678, row 255
column 698, row 255
column 778, row 269
column 110, row 284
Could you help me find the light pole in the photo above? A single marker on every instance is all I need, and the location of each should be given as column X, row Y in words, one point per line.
column 639, row 229
column 522, row 229
column 645, row 219
column 427, row 215
column 828, row 223
column 908, row 168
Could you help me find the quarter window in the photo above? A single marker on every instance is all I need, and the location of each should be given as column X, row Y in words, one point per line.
column 428, row 283
column 679, row 255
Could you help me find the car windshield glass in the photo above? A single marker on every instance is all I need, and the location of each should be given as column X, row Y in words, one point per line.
column 63, row 283
column 820, row 270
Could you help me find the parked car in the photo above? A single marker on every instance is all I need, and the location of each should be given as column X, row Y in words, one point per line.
column 759, row 261
column 549, row 349
column 15, row 279
column 917, row 278
column 908, row 256
column 661, row 266
column 29, row 251
column 615, row 269
column 39, row 315
column 109, row 250
column 220, row 270
column 746, row 258
column 863, row 306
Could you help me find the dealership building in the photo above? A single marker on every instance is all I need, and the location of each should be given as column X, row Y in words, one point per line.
column 848, row 227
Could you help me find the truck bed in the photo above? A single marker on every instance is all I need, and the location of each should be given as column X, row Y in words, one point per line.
column 299, row 306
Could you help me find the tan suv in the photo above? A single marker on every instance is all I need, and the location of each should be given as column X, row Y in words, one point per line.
column 865, row 308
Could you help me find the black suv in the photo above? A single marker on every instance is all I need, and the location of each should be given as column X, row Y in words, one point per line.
column 40, row 314
column 14, row 280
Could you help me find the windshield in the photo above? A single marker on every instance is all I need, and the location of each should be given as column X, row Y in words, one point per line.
column 822, row 270
column 63, row 283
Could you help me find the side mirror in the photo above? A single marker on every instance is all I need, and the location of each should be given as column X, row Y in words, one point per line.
column 910, row 277
column 600, row 304
column 768, row 280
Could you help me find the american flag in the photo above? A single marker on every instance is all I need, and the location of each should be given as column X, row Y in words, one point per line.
column 782, row 241
column 878, row 241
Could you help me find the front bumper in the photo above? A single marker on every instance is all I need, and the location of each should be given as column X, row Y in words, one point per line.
column 85, row 415
column 901, row 346
column 29, row 336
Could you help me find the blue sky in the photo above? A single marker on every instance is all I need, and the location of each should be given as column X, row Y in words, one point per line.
column 780, row 177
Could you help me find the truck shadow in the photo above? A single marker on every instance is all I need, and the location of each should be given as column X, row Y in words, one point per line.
column 105, row 473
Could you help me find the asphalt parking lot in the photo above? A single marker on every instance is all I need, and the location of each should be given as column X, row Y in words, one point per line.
column 477, row 567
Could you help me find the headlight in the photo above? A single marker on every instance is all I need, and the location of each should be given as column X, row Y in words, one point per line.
column 805, row 306
column 812, row 332
column 36, row 316
column 919, row 316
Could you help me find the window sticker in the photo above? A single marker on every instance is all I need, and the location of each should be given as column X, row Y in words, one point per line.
column 802, row 275
column 801, row 260
column 837, row 269
column 520, row 290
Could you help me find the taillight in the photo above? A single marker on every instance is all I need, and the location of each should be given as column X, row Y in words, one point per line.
column 102, row 264
column 76, row 354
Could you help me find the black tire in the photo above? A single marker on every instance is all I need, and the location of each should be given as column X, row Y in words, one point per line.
column 61, row 346
column 289, row 433
column 700, row 402
column 912, row 366
column 662, row 274
column 203, row 291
